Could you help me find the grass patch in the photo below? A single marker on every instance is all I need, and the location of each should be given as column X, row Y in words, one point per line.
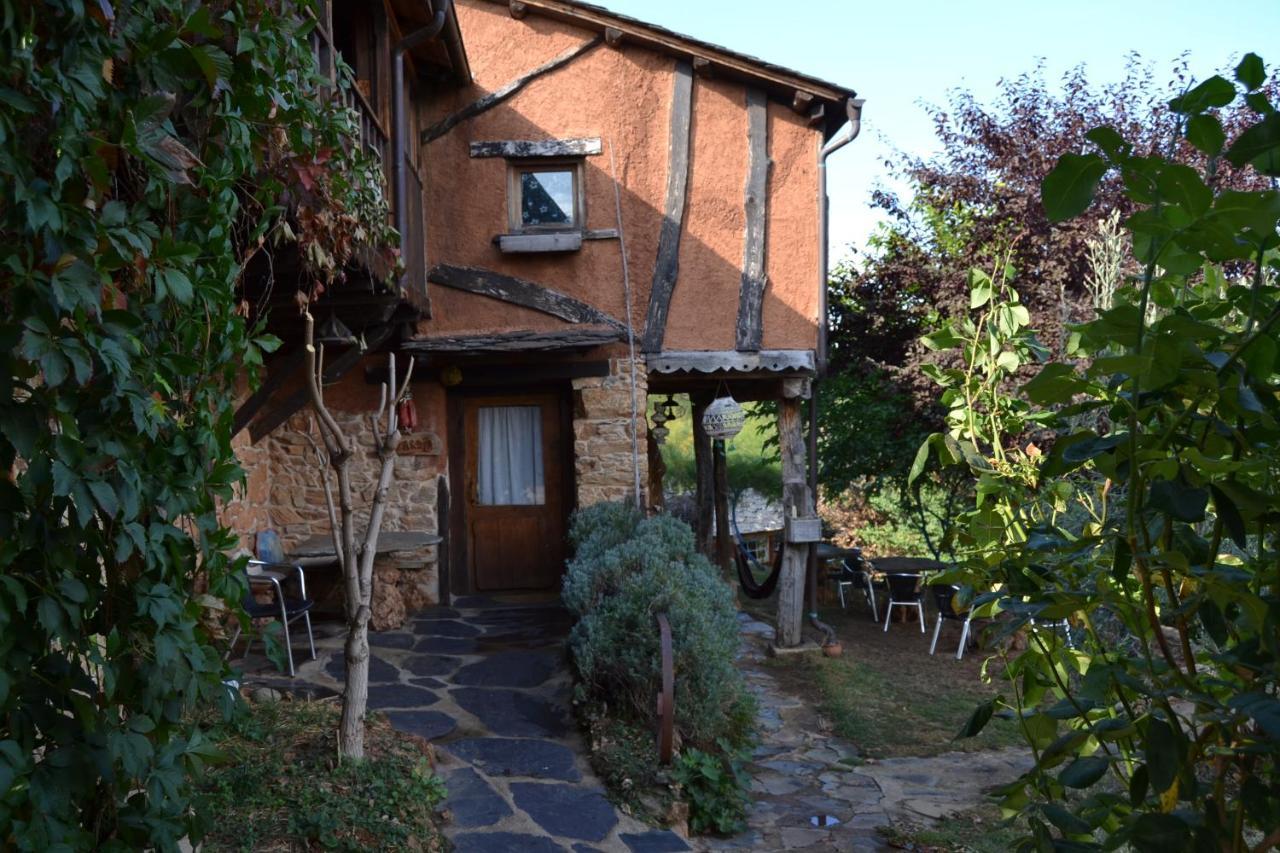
column 890, row 697
column 281, row 787
column 977, row 831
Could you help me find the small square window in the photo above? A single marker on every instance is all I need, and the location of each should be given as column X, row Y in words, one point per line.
column 545, row 196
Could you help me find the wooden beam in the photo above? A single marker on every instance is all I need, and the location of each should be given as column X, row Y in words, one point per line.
column 517, row 9
column 572, row 337
column 796, row 502
column 333, row 371
column 731, row 361
column 518, row 291
column 724, row 536
column 668, row 263
column 524, row 244
column 704, row 477
column 504, row 374
column 442, row 550
column 279, row 370
column 750, row 329
column 528, row 148
column 499, row 95
column 703, row 67
column 801, row 101
column 612, row 36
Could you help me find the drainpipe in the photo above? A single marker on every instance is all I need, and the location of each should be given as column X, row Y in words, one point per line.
column 853, row 109
column 399, row 117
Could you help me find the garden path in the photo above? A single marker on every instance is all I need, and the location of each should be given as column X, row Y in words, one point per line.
column 488, row 683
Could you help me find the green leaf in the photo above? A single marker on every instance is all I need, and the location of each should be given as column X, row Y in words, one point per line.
column 105, row 496
column 173, row 282
column 1159, row 833
column 1182, row 502
column 1084, row 771
column 1264, row 709
column 1055, row 383
column 1205, row 132
column 1251, row 73
column 977, row 720
column 1068, row 190
column 980, row 288
column 1064, row 820
column 74, row 589
column 1217, row 91
column 1227, row 512
column 1259, row 145
column 1162, row 754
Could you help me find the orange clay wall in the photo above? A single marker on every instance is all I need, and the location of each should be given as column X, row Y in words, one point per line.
column 623, row 96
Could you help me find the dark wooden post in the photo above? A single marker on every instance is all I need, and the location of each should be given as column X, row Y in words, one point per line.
column 704, row 479
column 796, row 503
column 657, row 472
column 724, row 536
column 442, row 529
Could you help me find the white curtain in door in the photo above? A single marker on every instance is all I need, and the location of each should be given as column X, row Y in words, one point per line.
column 510, row 456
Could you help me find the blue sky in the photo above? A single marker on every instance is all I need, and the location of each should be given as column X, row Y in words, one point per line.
column 900, row 53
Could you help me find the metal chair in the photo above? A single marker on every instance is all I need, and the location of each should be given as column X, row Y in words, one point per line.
column 904, row 591
column 944, row 599
column 853, row 573
column 272, row 572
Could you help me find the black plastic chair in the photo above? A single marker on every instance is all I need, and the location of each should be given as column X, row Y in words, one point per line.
column 904, row 591
column 287, row 608
column 852, row 572
column 944, row 599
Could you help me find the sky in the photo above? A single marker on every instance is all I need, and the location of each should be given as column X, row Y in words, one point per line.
column 903, row 54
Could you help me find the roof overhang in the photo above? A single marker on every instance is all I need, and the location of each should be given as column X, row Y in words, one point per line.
column 821, row 101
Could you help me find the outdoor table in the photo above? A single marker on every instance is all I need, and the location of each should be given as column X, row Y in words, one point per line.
column 321, row 547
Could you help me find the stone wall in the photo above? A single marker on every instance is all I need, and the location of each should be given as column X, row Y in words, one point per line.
column 602, row 452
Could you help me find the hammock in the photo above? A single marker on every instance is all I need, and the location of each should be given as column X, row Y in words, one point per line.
column 747, row 562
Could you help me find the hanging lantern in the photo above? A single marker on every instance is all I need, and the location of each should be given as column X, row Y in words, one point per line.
column 724, row 418
column 663, row 413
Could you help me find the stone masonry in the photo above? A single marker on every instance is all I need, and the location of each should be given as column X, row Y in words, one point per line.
column 602, row 451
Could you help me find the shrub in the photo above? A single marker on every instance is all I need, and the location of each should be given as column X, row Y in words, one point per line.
column 715, row 788
column 627, row 570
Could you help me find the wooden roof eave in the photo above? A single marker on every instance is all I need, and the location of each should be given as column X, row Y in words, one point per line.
column 822, row 100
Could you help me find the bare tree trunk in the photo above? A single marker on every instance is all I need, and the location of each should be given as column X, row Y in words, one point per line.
column 796, row 502
column 356, row 561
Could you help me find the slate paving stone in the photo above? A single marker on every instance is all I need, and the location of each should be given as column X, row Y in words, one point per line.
column 435, row 613
column 653, row 842
column 431, row 725
column 504, row 842
column 391, row 640
column 429, row 683
column 430, row 664
column 447, row 628
column 512, row 713
column 519, row 639
column 566, row 811
column 447, row 645
column 536, row 759
column 400, row 696
column 379, row 669
column 473, row 801
column 586, row 848
column 508, row 669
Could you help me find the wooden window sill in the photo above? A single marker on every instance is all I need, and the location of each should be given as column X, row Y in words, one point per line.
column 561, row 241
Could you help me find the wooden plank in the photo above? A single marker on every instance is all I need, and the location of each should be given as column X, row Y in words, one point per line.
column 668, row 264
column 479, row 375
column 731, row 361
column 333, row 371
column 750, row 329
column 573, row 337
column 600, row 234
column 518, row 291
column 569, row 241
column 796, row 501
column 499, row 95
column 279, row 370
column 530, row 148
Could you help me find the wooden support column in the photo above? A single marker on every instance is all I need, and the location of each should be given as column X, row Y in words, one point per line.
column 724, row 535
column 704, row 479
column 657, row 472
column 796, row 502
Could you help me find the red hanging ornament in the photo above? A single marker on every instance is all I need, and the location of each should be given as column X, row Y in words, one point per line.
column 407, row 415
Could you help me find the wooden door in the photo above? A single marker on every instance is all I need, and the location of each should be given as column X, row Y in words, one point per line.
column 515, row 503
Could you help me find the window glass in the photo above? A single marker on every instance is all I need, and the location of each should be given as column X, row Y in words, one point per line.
column 547, row 197
column 509, row 465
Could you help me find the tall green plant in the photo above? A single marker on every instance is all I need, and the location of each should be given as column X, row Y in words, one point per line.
column 147, row 153
column 1151, row 539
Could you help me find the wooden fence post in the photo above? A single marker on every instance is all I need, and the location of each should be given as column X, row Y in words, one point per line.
column 796, row 502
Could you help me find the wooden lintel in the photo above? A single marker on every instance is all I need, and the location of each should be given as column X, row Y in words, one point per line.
column 278, row 371
column 518, row 291
column 801, row 101
column 750, row 329
column 667, row 265
column 501, row 94
column 518, row 10
column 333, row 371
column 486, row 375
column 523, row 340
column 612, row 36
column 532, row 148
column 817, row 115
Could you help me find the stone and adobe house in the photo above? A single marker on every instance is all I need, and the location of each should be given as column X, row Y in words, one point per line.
column 596, row 212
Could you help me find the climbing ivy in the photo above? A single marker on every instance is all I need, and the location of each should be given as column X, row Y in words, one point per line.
column 147, row 153
column 1126, row 518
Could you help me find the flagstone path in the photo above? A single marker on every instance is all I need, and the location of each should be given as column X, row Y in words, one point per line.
column 489, row 685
